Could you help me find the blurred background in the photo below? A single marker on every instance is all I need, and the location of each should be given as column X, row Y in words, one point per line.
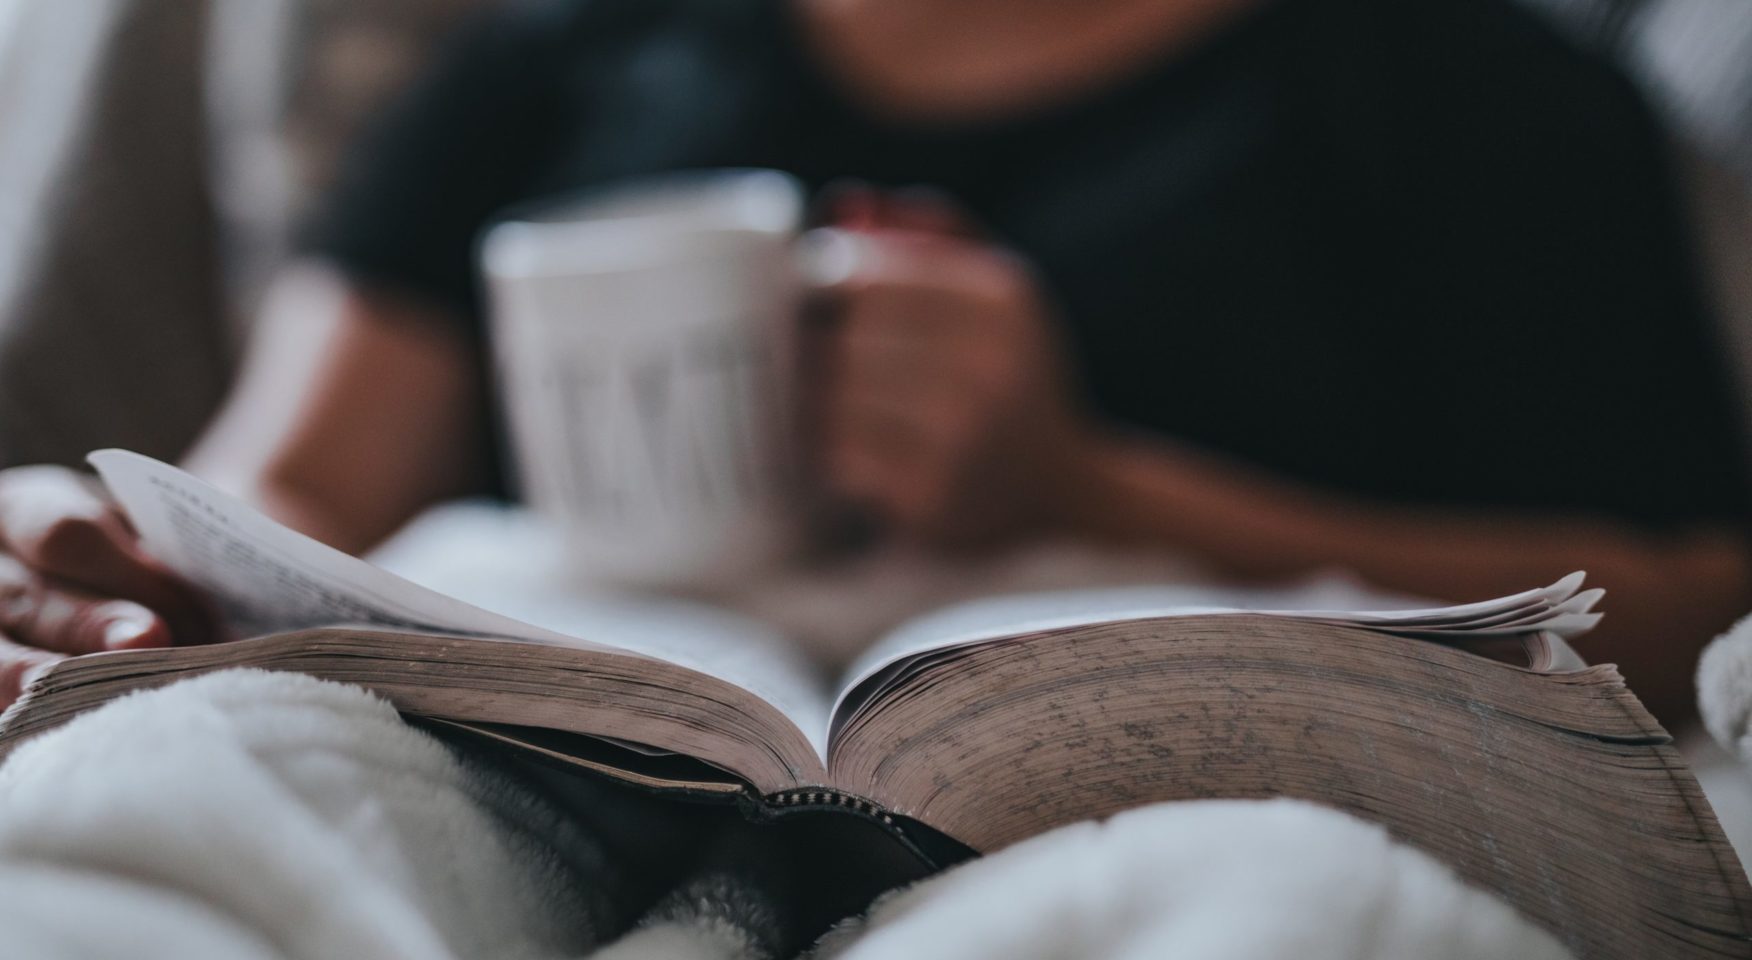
column 154, row 154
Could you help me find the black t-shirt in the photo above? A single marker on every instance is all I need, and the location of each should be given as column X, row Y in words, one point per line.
column 1421, row 252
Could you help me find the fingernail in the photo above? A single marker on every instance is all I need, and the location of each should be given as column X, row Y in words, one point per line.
column 128, row 627
column 830, row 257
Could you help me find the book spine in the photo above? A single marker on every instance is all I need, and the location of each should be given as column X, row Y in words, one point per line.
column 931, row 847
column 820, row 799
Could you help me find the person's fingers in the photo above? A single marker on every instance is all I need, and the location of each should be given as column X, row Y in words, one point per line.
column 896, row 375
column 851, row 204
column 888, row 431
column 58, row 526
column 922, row 209
column 858, row 471
column 898, row 414
column 912, row 335
column 19, row 665
column 926, row 284
column 50, row 616
column 856, row 205
column 895, row 458
column 934, row 341
column 891, row 488
column 911, row 426
column 893, row 326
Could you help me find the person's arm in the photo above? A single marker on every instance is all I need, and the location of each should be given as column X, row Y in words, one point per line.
column 1667, row 595
column 355, row 411
column 949, row 415
column 356, row 407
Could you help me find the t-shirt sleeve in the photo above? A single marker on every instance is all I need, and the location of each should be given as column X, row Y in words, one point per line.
column 1585, row 331
column 463, row 142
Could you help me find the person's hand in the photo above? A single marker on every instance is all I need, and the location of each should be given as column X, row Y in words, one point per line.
column 945, row 403
column 74, row 580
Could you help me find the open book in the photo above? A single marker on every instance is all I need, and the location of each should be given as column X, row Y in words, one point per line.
column 1540, row 778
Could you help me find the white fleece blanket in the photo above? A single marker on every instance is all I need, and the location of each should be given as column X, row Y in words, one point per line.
column 252, row 815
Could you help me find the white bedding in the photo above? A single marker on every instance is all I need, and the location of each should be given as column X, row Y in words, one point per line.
column 251, row 815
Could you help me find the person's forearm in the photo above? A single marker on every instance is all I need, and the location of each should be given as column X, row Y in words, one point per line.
column 353, row 413
column 1667, row 595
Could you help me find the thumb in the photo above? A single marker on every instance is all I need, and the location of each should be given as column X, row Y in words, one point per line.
column 53, row 617
column 64, row 531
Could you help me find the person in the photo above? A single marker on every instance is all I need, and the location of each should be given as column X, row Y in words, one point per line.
column 1285, row 284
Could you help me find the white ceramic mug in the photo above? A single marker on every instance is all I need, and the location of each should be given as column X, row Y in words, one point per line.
column 646, row 340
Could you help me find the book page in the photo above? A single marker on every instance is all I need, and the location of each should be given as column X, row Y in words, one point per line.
column 268, row 578
column 715, row 642
column 506, row 559
column 1562, row 610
